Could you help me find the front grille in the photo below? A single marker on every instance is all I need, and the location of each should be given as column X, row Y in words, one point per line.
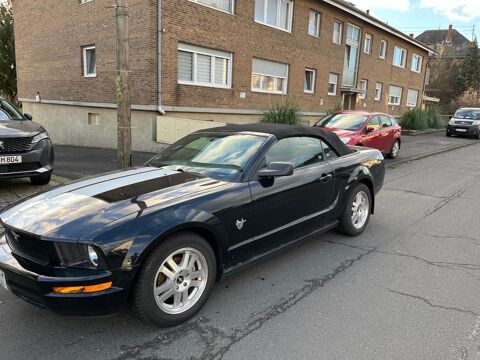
column 464, row 123
column 30, row 247
column 14, row 168
column 15, row 145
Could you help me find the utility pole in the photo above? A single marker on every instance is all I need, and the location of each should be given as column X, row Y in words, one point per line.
column 124, row 120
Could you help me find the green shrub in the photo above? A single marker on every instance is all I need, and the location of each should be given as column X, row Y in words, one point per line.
column 282, row 114
column 418, row 119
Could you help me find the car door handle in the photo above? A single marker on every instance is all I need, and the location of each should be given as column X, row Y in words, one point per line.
column 326, row 178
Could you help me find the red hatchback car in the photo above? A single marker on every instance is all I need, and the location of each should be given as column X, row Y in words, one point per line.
column 375, row 130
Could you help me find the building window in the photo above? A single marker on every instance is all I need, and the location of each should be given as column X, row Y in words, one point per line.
column 417, row 63
column 223, row 5
column 314, row 23
column 367, row 46
column 275, row 13
column 89, row 61
column 309, row 85
column 378, row 91
column 332, row 84
column 337, row 32
column 395, row 95
column 350, row 64
column 364, row 88
column 204, row 67
column 383, row 49
column 269, row 76
column 399, row 56
column 412, row 98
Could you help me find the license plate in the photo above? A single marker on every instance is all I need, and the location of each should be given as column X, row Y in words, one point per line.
column 461, row 130
column 3, row 280
column 5, row 160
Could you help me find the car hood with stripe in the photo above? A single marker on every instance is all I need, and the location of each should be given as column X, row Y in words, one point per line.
column 87, row 205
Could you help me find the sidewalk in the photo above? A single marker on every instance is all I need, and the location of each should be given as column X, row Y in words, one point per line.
column 76, row 162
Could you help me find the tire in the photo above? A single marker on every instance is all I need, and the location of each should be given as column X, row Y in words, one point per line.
column 41, row 179
column 448, row 134
column 476, row 136
column 347, row 225
column 156, row 273
column 395, row 150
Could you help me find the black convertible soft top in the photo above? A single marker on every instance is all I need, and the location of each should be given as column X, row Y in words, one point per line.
column 286, row 131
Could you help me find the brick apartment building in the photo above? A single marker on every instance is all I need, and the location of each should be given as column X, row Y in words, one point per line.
column 195, row 63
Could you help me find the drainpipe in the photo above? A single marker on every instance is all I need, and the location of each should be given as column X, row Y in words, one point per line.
column 159, row 57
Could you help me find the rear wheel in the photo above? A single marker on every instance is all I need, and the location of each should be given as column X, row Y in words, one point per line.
column 355, row 218
column 176, row 280
column 41, row 179
column 395, row 150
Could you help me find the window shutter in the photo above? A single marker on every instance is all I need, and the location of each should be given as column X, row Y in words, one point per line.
column 204, row 68
column 185, row 66
column 265, row 67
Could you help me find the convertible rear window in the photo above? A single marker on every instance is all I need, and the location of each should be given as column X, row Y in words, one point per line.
column 225, row 154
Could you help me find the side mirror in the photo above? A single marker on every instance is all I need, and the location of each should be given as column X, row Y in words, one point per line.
column 28, row 116
column 370, row 129
column 276, row 169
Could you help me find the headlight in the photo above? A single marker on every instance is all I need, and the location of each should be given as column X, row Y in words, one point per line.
column 346, row 140
column 39, row 137
column 78, row 255
column 452, row 121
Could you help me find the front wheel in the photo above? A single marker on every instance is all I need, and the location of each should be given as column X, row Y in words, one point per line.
column 176, row 280
column 356, row 215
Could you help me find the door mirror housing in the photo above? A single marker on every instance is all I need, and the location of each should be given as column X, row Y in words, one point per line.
column 370, row 129
column 28, row 116
column 276, row 169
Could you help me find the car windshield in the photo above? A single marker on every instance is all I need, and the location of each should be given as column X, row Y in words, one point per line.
column 10, row 110
column 352, row 122
column 220, row 156
column 470, row 114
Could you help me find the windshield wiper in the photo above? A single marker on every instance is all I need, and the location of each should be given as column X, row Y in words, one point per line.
column 182, row 170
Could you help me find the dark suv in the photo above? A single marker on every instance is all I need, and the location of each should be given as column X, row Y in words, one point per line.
column 466, row 121
column 25, row 146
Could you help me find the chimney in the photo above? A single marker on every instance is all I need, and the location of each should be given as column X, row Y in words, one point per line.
column 368, row 12
column 449, row 34
column 412, row 35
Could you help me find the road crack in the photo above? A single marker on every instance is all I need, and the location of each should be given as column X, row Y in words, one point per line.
column 416, row 193
column 428, row 302
column 217, row 343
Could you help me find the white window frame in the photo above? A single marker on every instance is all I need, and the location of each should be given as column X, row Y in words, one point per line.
column 318, row 17
column 368, row 41
column 198, row 50
column 313, row 81
column 404, row 57
column 419, row 62
column 340, row 33
column 290, row 16
column 408, row 96
column 396, row 103
column 275, row 77
column 378, row 91
column 383, row 46
column 85, row 1
column 336, row 85
column 231, row 12
column 84, row 55
column 363, row 95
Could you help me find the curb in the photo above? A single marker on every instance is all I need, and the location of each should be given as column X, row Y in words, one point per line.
column 421, row 132
column 433, row 153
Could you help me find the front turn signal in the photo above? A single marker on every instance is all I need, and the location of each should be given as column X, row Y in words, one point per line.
column 82, row 289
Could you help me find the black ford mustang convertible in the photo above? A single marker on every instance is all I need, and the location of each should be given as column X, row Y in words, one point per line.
column 159, row 236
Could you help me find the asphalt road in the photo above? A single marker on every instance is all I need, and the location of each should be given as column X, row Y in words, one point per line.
column 408, row 288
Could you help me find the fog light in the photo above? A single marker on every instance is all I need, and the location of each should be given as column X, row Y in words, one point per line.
column 92, row 254
column 82, row 289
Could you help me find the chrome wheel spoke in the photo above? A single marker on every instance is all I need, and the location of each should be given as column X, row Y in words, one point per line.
column 167, row 272
column 186, row 259
column 197, row 274
column 196, row 283
column 173, row 265
column 167, row 285
column 166, row 295
column 184, row 296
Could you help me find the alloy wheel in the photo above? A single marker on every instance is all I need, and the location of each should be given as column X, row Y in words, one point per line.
column 360, row 210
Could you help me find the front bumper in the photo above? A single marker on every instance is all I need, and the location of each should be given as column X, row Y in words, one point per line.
column 38, row 289
column 465, row 130
column 35, row 162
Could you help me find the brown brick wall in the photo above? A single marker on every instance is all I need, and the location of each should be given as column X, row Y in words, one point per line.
column 50, row 34
column 188, row 22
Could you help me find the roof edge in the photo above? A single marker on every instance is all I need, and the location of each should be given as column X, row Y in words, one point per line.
column 376, row 22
